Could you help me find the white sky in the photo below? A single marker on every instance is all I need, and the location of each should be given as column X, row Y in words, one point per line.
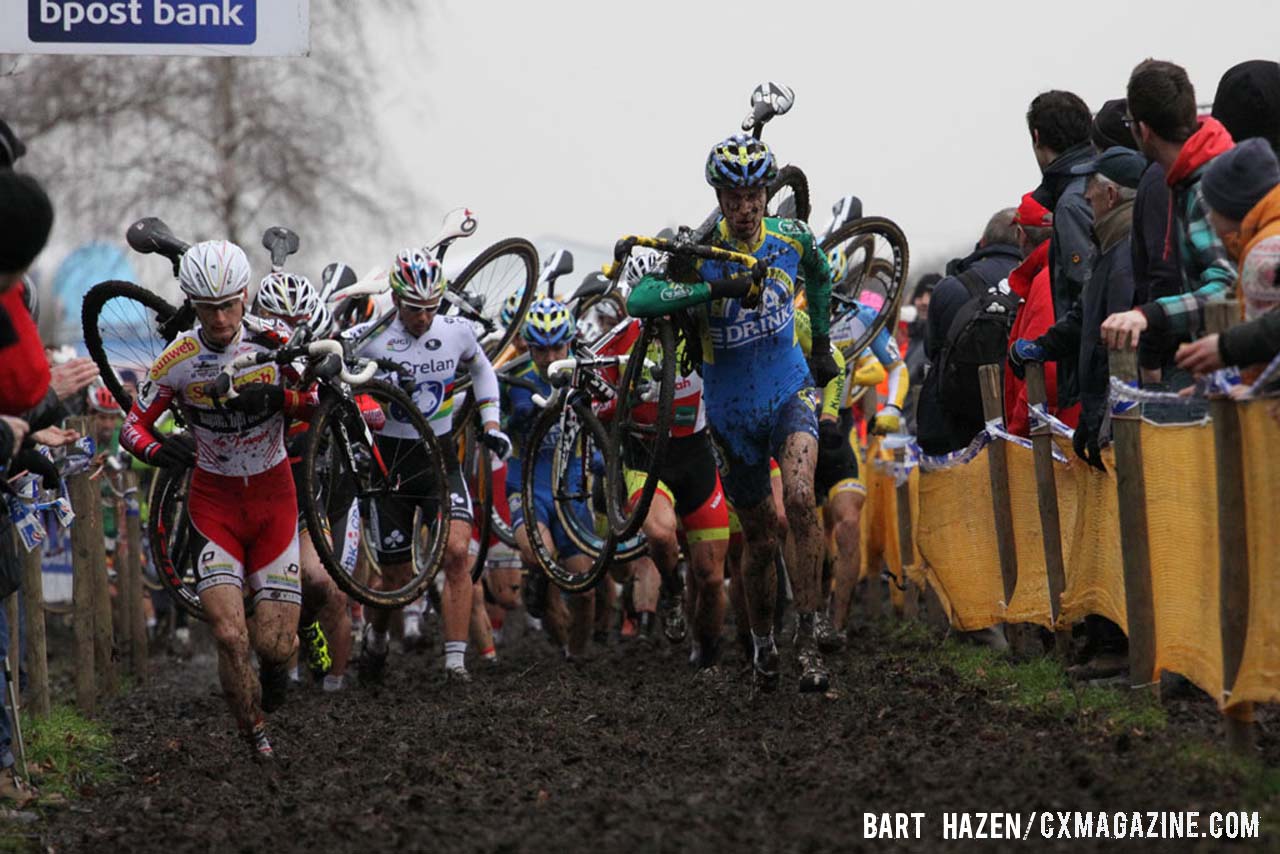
column 586, row 120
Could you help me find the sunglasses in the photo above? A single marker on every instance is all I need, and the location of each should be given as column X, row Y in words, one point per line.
column 412, row 308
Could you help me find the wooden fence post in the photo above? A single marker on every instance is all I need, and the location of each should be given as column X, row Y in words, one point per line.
column 1047, row 493
column 103, row 634
column 1126, row 429
column 990, row 377
column 1233, row 542
column 37, row 659
column 906, row 542
column 130, row 575
column 86, row 542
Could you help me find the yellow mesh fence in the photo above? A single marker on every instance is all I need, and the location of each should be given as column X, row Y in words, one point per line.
column 1091, row 542
column 1258, row 679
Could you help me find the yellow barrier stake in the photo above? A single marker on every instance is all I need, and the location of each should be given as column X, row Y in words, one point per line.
column 1135, row 551
column 989, row 377
column 1233, row 543
column 1047, row 492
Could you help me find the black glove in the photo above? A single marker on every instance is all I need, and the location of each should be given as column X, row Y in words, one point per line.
column 37, row 463
column 498, row 442
column 257, row 399
column 681, row 268
column 176, row 451
column 830, row 436
column 821, row 363
column 1085, row 442
column 734, row 287
column 328, row 367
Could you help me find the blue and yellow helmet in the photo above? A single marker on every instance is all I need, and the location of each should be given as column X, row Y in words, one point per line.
column 549, row 323
column 740, row 161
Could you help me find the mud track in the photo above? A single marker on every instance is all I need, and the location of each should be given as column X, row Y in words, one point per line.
column 625, row 752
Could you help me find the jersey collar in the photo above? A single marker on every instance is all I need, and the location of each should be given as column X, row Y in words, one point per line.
column 734, row 243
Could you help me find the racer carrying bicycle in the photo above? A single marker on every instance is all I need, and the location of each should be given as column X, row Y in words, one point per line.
column 291, row 300
column 755, row 382
column 241, row 499
column 432, row 348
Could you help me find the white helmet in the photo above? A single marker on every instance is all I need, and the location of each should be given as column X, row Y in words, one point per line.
column 321, row 322
column 213, row 270
column 641, row 263
column 417, row 277
column 287, row 295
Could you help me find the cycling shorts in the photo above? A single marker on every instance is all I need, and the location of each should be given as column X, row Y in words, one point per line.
column 249, row 525
column 544, row 512
column 392, row 517
column 837, row 471
column 689, row 480
column 735, row 524
column 743, row 449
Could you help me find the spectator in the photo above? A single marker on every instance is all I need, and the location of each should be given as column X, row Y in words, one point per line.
column 1248, row 101
column 914, row 357
column 1109, row 129
column 950, row 409
column 1030, row 283
column 1114, row 177
column 1162, row 107
column 1060, row 126
column 1242, row 189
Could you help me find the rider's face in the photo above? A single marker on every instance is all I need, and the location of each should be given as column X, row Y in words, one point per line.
column 544, row 356
column 220, row 321
column 415, row 318
column 743, row 209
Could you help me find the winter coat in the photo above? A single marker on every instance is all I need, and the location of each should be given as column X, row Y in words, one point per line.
column 1110, row 290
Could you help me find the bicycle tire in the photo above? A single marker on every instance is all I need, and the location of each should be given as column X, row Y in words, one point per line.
column 625, row 521
column 323, row 460
column 866, row 230
column 150, row 310
column 789, row 178
column 168, row 529
column 477, row 464
column 543, row 551
column 493, row 286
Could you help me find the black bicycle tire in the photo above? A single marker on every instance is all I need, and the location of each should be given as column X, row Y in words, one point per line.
column 793, row 177
column 317, row 517
column 902, row 257
column 161, row 491
column 97, row 297
column 569, row 582
column 482, row 493
column 623, row 523
column 509, row 245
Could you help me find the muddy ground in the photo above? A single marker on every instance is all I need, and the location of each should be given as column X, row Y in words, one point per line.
column 625, row 752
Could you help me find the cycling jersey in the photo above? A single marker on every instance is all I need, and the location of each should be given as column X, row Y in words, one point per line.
column 851, row 325
column 689, row 417
column 434, row 358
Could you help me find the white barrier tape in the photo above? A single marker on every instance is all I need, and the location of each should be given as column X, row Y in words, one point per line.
column 995, row 429
column 25, row 521
column 1269, row 375
column 1040, row 416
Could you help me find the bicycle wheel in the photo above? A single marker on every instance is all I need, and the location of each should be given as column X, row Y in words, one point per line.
column 641, row 426
column 477, row 468
column 485, row 283
column 574, row 494
column 127, row 327
column 172, row 541
column 789, row 194
column 874, row 257
column 343, row 459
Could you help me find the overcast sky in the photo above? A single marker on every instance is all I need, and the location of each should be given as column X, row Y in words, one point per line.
column 585, row 120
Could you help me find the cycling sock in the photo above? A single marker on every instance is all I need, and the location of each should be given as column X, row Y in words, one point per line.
column 489, row 654
column 376, row 641
column 455, row 654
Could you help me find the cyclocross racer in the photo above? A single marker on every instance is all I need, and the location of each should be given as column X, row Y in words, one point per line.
column 242, row 499
column 433, row 348
column 755, row 379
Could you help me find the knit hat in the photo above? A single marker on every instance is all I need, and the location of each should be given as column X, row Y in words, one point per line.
column 1248, row 101
column 1032, row 213
column 11, row 148
column 1109, row 129
column 1236, row 180
column 26, row 216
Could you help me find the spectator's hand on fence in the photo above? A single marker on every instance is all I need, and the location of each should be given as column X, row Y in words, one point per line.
column 1121, row 331
column 887, row 420
column 1085, row 442
column 17, row 427
column 1023, row 351
column 1200, row 357
column 72, row 377
column 55, row 437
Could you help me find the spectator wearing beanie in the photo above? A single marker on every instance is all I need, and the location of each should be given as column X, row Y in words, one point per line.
column 26, row 216
column 1242, row 189
column 1109, row 129
column 1248, row 101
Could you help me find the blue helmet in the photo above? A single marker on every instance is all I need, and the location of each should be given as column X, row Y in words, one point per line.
column 740, row 161
column 549, row 323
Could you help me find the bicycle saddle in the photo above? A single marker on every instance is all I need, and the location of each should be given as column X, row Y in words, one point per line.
column 280, row 242
column 151, row 234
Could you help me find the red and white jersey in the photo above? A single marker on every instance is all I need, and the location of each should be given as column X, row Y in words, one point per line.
column 227, row 442
column 690, row 415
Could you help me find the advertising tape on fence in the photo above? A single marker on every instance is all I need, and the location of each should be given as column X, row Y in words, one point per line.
column 156, row 27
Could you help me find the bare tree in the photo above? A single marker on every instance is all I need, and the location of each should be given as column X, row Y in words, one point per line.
column 216, row 145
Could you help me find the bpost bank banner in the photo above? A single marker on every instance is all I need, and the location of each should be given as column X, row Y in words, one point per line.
column 204, row 28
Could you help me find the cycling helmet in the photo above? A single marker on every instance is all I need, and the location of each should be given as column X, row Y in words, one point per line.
column 213, row 271
column 417, row 277
column 321, row 322
column 101, row 400
column 839, row 263
column 511, row 306
column 548, row 323
column 740, row 161
column 641, row 263
column 286, row 295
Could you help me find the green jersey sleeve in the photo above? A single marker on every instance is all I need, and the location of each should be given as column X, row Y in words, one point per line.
column 654, row 296
column 817, row 282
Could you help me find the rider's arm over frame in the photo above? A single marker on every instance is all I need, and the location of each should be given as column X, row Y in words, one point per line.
column 817, row 283
column 484, row 383
column 655, row 296
column 886, row 351
column 137, row 435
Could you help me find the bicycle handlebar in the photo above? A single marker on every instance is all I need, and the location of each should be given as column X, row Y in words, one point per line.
column 758, row 267
column 224, row 386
